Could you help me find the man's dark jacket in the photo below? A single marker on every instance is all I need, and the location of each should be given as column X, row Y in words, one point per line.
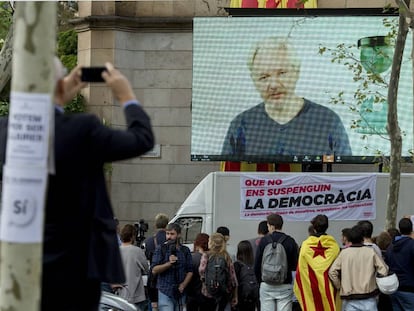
column 400, row 259
column 80, row 241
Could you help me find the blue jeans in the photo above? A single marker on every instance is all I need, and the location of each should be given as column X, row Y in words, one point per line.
column 369, row 304
column 276, row 297
column 166, row 303
column 402, row 301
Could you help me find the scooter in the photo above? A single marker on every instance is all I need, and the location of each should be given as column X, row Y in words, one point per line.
column 112, row 302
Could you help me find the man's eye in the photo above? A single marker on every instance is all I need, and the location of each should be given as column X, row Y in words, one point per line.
column 262, row 78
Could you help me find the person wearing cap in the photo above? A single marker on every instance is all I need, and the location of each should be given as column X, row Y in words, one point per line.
column 353, row 273
column 80, row 247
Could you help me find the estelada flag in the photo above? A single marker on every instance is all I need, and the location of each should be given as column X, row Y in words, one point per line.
column 313, row 288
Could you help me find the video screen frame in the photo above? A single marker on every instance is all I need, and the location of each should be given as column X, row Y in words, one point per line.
column 223, row 86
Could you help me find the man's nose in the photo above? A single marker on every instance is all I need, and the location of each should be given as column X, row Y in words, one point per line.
column 274, row 81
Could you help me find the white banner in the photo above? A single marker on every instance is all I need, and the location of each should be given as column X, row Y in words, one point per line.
column 301, row 197
column 28, row 130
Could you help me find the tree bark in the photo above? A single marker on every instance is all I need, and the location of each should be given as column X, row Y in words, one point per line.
column 392, row 125
column 33, row 76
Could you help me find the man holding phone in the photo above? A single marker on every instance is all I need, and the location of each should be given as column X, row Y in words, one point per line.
column 92, row 74
column 80, row 248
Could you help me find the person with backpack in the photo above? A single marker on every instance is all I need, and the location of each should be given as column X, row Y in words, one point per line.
column 219, row 281
column 248, row 289
column 173, row 266
column 313, row 288
column 196, row 301
column 276, row 259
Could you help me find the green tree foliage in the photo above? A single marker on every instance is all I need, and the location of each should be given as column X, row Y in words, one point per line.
column 66, row 50
column 6, row 19
column 371, row 85
column 4, row 108
column 67, row 39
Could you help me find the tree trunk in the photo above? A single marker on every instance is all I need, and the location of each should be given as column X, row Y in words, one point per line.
column 6, row 54
column 32, row 90
column 392, row 125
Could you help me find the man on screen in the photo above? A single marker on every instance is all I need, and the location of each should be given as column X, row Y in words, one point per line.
column 284, row 123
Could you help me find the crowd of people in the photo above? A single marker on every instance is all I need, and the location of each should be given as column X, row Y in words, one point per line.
column 317, row 275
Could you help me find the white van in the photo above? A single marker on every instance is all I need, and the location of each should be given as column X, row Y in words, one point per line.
column 216, row 201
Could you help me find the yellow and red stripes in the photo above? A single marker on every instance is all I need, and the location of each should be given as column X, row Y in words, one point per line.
column 312, row 287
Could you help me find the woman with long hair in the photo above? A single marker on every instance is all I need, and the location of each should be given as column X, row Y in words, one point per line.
column 217, row 246
column 248, row 289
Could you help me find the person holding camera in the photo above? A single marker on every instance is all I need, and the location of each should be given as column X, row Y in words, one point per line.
column 172, row 263
column 80, row 245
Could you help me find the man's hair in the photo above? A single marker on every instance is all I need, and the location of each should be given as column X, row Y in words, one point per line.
column 356, row 236
column 383, row 240
column 280, row 44
column 262, row 228
column 346, row 232
column 245, row 252
column 311, row 230
column 393, row 232
column 275, row 220
column 161, row 221
column 128, row 233
column 223, row 230
column 174, row 226
column 406, row 226
column 320, row 223
column 367, row 228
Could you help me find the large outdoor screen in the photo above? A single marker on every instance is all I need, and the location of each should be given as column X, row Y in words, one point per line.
column 301, row 87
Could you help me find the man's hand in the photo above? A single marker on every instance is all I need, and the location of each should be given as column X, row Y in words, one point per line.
column 72, row 84
column 119, row 84
column 173, row 259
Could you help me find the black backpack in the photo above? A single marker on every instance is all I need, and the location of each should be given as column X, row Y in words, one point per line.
column 248, row 285
column 216, row 276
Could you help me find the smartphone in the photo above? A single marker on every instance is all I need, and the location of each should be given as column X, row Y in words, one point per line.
column 92, row 74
